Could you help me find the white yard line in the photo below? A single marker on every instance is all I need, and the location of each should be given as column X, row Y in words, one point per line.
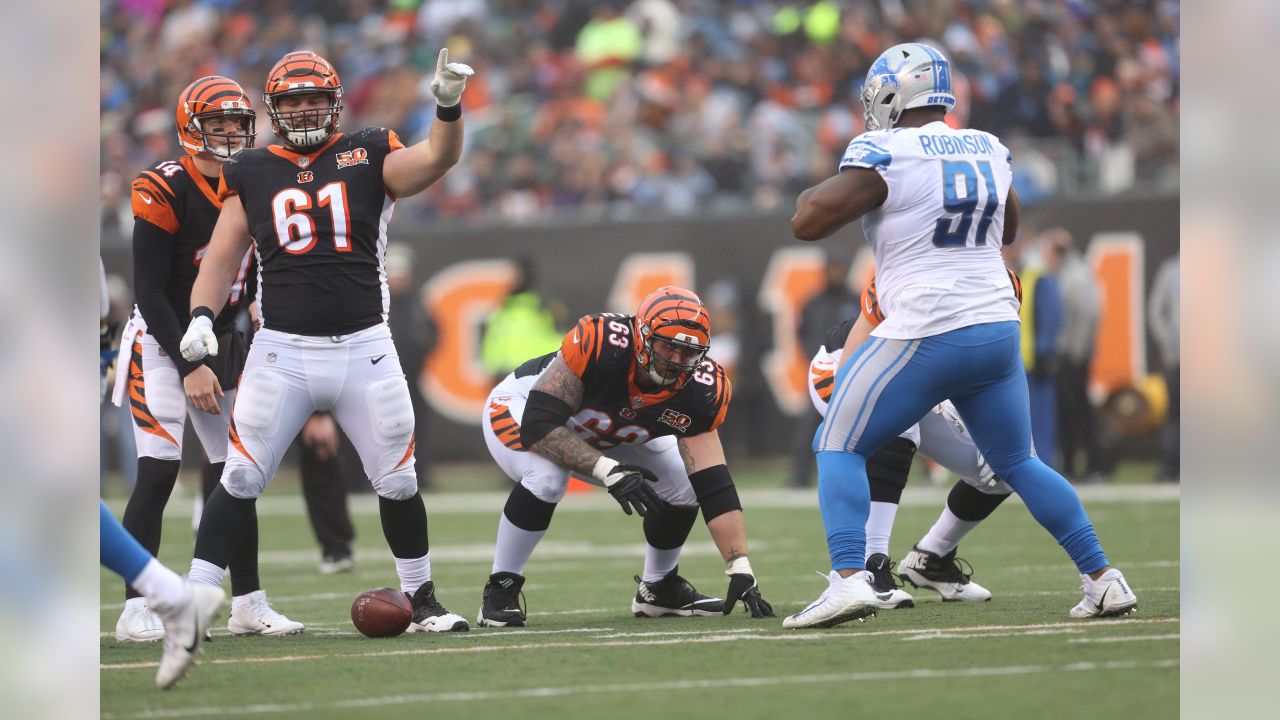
column 670, row 638
column 657, row 686
column 1127, row 638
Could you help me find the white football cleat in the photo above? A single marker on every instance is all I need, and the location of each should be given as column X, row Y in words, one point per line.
column 942, row 574
column 334, row 565
column 139, row 623
column 1107, row 596
column 257, row 617
column 845, row 599
column 186, row 622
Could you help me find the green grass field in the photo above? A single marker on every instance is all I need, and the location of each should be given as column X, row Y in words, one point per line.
column 583, row 655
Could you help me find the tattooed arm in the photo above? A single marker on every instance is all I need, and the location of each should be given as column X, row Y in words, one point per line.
column 704, row 454
column 561, row 445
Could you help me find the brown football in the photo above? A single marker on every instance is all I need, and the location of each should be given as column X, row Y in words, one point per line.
column 381, row 612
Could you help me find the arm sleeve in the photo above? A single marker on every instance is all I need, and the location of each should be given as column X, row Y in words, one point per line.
column 152, row 261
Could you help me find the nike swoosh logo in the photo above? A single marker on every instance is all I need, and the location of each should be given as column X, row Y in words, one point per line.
column 195, row 629
column 145, row 199
column 575, row 338
column 375, row 360
column 884, row 596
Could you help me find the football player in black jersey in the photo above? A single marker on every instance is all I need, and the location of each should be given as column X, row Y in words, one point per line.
column 316, row 207
column 175, row 206
column 632, row 403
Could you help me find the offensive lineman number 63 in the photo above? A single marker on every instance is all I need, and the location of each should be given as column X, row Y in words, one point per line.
column 295, row 229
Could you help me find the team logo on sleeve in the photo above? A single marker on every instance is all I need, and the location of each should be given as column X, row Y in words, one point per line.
column 359, row 156
column 677, row 420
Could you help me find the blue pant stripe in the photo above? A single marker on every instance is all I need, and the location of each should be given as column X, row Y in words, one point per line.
column 877, row 388
column 838, row 396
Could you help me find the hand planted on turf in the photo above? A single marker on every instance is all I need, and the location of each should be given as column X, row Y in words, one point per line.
column 632, row 487
column 742, row 586
column 450, row 80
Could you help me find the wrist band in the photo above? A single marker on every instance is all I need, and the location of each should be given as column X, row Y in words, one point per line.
column 202, row 311
column 739, row 566
column 449, row 114
column 602, row 468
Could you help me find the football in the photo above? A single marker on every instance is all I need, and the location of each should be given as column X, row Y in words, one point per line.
column 381, row 612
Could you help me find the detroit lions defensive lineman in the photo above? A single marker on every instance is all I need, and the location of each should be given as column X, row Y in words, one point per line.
column 936, row 205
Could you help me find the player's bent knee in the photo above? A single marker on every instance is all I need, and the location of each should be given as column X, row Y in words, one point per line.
column 260, row 400
column 399, row 484
column 548, row 490
column 243, row 480
column 391, row 408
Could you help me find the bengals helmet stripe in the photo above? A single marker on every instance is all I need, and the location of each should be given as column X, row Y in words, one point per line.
column 212, row 97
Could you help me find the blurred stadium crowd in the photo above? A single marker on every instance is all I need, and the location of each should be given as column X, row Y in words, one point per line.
column 615, row 108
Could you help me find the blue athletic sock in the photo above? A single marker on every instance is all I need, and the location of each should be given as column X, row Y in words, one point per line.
column 1056, row 506
column 845, row 501
column 119, row 551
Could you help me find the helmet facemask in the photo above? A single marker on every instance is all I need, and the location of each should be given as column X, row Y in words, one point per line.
column 232, row 141
column 671, row 355
column 308, row 127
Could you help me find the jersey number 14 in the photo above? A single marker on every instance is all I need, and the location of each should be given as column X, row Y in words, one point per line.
column 960, row 200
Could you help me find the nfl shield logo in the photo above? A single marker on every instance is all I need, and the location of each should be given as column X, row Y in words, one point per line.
column 303, row 162
column 271, row 357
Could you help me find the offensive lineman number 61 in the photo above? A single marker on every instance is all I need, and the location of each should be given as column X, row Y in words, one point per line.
column 296, row 230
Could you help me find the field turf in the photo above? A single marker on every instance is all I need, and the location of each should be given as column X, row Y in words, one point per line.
column 584, row 655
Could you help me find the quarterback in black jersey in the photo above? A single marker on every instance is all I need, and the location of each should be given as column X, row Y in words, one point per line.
column 632, row 403
column 175, row 206
column 316, row 208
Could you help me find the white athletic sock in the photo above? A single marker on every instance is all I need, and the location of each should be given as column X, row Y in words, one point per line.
column 413, row 572
column 946, row 533
column 880, row 527
column 158, row 584
column 657, row 563
column 205, row 572
column 515, row 546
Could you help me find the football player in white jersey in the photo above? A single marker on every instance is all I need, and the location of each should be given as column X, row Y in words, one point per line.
column 936, row 206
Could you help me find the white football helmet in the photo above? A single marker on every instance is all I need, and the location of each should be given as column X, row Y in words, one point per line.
column 905, row 76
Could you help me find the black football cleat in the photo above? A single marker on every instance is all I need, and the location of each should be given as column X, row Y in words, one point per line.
column 673, row 595
column 430, row 616
column 889, row 595
column 502, row 605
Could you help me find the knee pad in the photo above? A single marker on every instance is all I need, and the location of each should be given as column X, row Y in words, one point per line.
column 399, row 484
column 259, row 401
column 391, row 409
column 669, row 528
column 887, row 470
column 243, row 480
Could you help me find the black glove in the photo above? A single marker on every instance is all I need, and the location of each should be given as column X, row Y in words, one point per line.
column 633, row 488
column 743, row 587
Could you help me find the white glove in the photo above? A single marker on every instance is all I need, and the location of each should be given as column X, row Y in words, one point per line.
column 199, row 340
column 450, row 81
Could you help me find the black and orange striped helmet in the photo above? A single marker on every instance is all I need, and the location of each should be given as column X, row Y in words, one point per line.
column 205, row 100
column 299, row 73
column 675, row 334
